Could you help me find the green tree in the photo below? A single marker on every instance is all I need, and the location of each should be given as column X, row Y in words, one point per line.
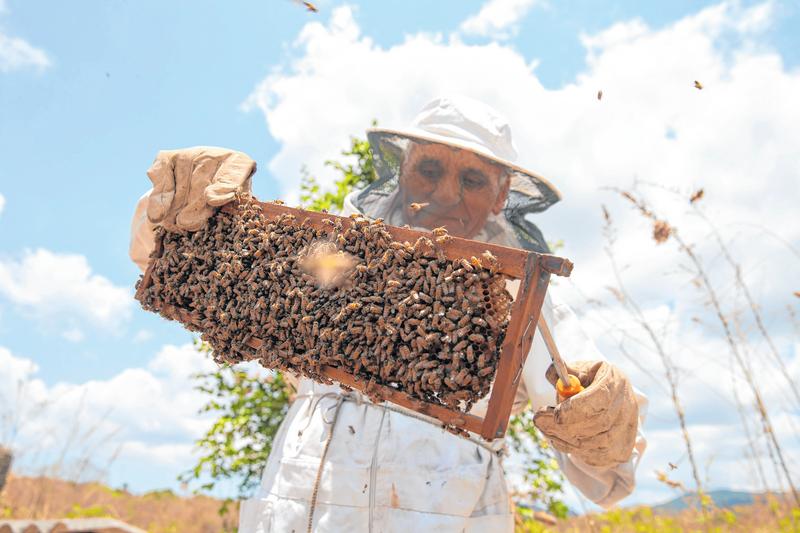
column 355, row 175
column 250, row 409
column 543, row 482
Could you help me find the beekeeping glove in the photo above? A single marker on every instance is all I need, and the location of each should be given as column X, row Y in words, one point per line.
column 597, row 425
column 189, row 184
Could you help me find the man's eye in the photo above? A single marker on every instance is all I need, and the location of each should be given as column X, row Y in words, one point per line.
column 472, row 179
column 430, row 169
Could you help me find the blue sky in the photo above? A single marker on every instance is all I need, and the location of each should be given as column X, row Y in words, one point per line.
column 123, row 79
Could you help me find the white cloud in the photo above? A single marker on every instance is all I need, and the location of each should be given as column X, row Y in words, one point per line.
column 497, row 18
column 16, row 53
column 735, row 138
column 147, row 417
column 62, row 288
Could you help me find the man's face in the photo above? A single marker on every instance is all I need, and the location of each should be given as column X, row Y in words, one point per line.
column 459, row 188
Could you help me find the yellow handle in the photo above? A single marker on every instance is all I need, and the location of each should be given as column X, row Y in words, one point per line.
column 567, row 391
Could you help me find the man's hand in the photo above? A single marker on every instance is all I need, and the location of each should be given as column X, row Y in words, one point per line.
column 189, row 184
column 597, row 425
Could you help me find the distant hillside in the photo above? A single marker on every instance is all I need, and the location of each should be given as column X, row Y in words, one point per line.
column 722, row 498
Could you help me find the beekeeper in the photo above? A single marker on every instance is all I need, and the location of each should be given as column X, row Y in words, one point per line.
column 342, row 463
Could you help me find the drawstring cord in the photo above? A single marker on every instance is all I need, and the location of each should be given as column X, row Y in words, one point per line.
column 373, row 471
column 336, row 408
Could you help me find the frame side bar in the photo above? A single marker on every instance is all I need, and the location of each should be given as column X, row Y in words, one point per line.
column 511, row 359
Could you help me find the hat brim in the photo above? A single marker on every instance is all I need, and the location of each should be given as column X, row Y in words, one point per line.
column 540, row 193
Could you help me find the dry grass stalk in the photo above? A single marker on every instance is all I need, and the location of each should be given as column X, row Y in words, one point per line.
column 701, row 275
column 754, row 308
column 669, row 369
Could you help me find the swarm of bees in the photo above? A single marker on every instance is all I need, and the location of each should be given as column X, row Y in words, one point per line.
column 408, row 317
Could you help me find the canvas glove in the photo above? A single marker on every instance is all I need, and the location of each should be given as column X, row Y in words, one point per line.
column 598, row 425
column 189, row 184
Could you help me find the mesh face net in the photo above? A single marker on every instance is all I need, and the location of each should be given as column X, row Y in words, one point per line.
column 527, row 194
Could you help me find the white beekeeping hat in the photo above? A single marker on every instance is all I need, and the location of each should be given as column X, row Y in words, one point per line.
column 466, row 124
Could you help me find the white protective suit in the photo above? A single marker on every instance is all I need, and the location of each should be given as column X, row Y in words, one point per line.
column 382, row 468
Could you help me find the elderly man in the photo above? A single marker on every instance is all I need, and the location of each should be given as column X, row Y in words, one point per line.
column 342, row 463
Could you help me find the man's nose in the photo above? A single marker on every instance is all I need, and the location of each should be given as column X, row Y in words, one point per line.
column 447, row 192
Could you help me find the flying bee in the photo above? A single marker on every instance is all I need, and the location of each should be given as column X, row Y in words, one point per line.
column 308, row 5
column 415, row 207
column 600, row 95
column 698, row 85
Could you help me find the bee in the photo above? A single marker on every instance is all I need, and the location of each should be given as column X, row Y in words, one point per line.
column 415, row 207
column 696, row 196
column 421, row 243
column 442, row 239
column 278, row 202
column 405, row 353
column 441, row 230
column 698, row 85
column 600, row 94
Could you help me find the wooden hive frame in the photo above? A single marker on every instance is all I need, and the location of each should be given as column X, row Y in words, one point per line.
column 531, row 268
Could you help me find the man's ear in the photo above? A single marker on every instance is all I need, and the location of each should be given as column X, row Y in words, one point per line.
column 502, row 196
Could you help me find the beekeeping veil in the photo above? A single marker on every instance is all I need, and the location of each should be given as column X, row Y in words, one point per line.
column 467, row 124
